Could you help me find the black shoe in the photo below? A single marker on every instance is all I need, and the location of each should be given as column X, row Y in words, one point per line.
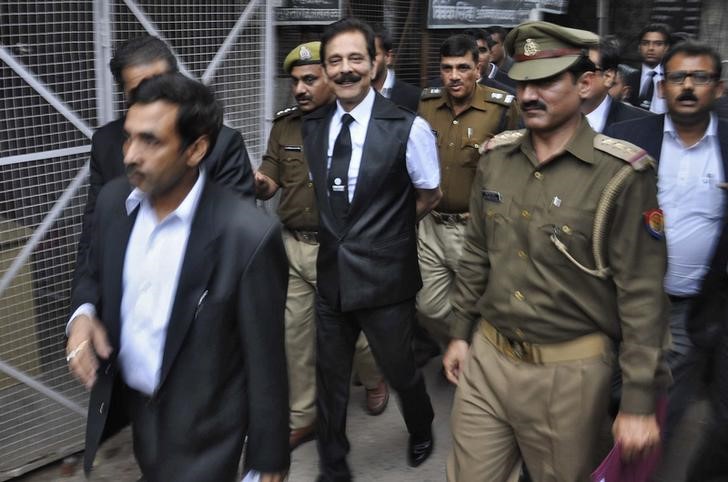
column 419, row 449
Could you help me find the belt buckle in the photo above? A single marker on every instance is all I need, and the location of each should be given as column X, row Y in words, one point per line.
column 520, row 351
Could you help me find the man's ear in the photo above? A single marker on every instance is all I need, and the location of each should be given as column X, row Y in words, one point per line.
column 197, row 151
column 610, row 76
column 585, row 83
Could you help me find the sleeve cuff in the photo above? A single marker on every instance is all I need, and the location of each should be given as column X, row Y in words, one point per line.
column 461, row 328
column 637, row 400
column 87, row 309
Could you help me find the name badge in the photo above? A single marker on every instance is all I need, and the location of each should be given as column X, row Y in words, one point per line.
column 293, row 148
column 491, row 196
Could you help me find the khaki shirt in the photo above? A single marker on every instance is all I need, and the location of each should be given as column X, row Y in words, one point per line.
column 459, row 138
column 512, row 275
column 284, row 162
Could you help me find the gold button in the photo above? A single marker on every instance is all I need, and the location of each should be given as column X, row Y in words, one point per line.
column 565, row 228
column 538, row 175
column 519, row 333
column 525, row 213
column 490, row 213
column 519, row 296
column 455, row 122
column 451, row 144
column 306, row 210
column 522, row 254
column 477, row 146
column 310, row 184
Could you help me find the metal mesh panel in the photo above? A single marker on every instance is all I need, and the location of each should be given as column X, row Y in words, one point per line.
column 48, row 107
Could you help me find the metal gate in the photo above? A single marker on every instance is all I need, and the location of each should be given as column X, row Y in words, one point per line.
column 55, row 88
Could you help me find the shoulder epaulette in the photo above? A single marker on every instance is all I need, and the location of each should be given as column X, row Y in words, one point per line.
column 431, row 93
column 626, row 151
column 503, row 139
column 285, row 112
column 498, row 97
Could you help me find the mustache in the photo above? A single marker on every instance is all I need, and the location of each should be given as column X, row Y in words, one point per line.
column 130, row 169
column 349, row 77
column 688, row 95
column 303, row 97
column 532, row 105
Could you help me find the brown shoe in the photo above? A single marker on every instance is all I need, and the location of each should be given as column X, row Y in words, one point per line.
column 302, row 435
column 377, row 398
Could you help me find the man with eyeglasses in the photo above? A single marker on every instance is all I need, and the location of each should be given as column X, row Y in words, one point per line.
column 654, row 41
column 691, row 146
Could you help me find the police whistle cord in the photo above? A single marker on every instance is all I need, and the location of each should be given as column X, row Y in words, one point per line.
column 605, row 208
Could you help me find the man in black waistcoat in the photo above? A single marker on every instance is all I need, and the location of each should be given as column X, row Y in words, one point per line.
column 375, row 172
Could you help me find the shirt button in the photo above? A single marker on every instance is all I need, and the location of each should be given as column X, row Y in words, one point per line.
column 525, row 214
column 306, row 210
column 519, row 296
column 452, row 144
column 310, row 184
column 522, row 254
column 455, row 122
column 538, row 175
column 565, row 228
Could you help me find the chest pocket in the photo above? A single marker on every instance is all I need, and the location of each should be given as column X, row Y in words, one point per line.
column 573, row 228
column 295, row 169
column 471, row 143
column 498, row 226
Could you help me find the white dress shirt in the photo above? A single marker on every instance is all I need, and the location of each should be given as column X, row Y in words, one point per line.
column 423, row 165
column 152, row 265
column 657, row 103
column 388, row 84
column 692, row 203
column 598, row 117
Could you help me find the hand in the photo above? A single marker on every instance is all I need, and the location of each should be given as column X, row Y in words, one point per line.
column 273, row 477
column 86, row 341
column 265, row 187
column 454, row 360
column 637, row 434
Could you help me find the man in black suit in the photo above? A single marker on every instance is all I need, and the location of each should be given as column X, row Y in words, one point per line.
column 654, row 42
column 385, row 82
column 188, row 342
column 374, row 168
column 600, row 108
column 690, row 144
column 135, row 60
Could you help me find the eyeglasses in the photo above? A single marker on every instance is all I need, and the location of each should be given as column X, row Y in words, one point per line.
column 700, row 77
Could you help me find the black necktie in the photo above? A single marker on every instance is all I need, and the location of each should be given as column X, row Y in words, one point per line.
column 339, row 171
column 649, row 89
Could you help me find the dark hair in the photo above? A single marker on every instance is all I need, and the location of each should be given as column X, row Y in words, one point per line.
column 350, row 24
column 583, row 64
column 695, row 49
column 662, row 28
column 139, row 51
column 382, row 33
column 609, row 53
column 626, row 71
column 199, row 113
column 459, row 45
column 498, row 30
column 477, row 34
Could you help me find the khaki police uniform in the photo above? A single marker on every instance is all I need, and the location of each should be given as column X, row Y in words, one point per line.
column 285, row 164
column 536, row 382
column 459, row 140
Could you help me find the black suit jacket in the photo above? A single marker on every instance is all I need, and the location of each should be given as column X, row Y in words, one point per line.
column 371, row 261
column 620, row 112
column 227, row 164
column 223, row 369
column 405, row 95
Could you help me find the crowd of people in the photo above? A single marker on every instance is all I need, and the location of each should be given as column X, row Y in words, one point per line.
column 554, row 221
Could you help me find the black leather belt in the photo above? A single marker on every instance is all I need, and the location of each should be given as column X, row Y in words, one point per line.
column 450, row 218
column 308, row 237
column 680, row 299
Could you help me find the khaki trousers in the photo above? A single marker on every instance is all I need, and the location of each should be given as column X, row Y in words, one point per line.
column 439, row 248
column 550, row 415
column 300, row 321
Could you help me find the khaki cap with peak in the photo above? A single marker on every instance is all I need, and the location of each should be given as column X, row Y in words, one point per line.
column 543, row 49
column 304, row 54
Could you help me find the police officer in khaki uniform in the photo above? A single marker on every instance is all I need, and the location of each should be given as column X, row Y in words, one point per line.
column 564, row 256
column 285, row 167
column 464, row 115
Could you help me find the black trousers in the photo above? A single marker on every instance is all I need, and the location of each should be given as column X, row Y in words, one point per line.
column 389, row 331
